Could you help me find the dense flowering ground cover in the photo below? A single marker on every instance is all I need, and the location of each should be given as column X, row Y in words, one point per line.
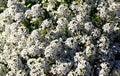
column 59, row 38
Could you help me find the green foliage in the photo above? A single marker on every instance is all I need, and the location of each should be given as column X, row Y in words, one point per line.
column 29, row 3
column 96, row 19
column 68, row 2
column 117, row 1
column 56, row 5
column 3, row 5
column 43, row 31
column 37, row 23
column 27, row 25
column 93, row 15
column 32, row 62
column 46, row 14
column 32, row 26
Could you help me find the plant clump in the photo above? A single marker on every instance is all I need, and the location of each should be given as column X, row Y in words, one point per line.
column 59, row 38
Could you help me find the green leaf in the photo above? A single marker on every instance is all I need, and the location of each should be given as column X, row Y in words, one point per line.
column 28, row 6
column 27, row 25
column 44, row 31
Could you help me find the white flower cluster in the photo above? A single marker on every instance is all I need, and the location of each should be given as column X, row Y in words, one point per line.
column 59, row 38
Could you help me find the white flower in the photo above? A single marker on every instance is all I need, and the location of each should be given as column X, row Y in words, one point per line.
column 12, row 10
column 33, row 50
column 103, row 12
column 111, row 1
column 60, row 37
column 83, row 68
column 60, row 0
column 21, row 73
column 22, row 31
column 47, row 24
column 105, row 69
column 37, row 66
column 52, row 0
column 36, row 10
column 10, row 73
column 87, row 40
column 50, row 6
column 78, row 56
column 108, row 27
column 12, row 38
column 53, row 50
column 90, row 51
column 74, row 26
column 15, row 64
column 104, row 43
column 19, row 17
column 96, row 33
column 31, row 62
column 28, row 13
column 63, row 10
column 71, row 73
column 72, row 43
column 80, row 17
column 62, row 68
column 11, row 2
column 74, row 5
column 84, row 8
column 62, row 21
column 35, row 34
column 88, row 26
column 24, row 54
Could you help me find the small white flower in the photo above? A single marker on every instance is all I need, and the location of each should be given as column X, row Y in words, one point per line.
column 36, row 10
column 35, row 34
column 31, row 62
column 90, row 51
column 74, row 26
column 50, row 6
column 19, row 17
column 88, row 26
column 15, row 64
column 105, row 69
column 72, row 43
column 21, row 73
column 53, row 49
column 78, row 56
column 96, row 33
column 10, row 73
column 83, row 68
column 63, row 10
column 47, row 24
column 103, row 12
column 24, row 54
column 28, row 13
column 108, row 27
column 62, row 21
column 11, row 2
column 63, row 68
column 33, row 50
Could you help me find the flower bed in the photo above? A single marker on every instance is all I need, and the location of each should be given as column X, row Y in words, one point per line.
column 59, row 38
